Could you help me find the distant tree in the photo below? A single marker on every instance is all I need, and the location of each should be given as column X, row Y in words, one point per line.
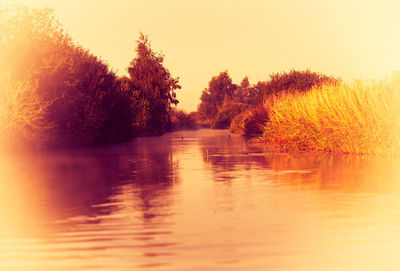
column 149, row 76
column 259, row 90
column 212, row 98
column 182, row 120
column 247, row 93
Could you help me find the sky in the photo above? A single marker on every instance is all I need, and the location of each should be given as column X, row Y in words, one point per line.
column 350, row 39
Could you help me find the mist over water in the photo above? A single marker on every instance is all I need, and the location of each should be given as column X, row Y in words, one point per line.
column 198, row 200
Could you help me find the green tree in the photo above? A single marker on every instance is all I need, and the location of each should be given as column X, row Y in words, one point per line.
column 149, row 76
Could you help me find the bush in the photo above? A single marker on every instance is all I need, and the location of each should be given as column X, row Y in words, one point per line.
column 251, row 122
column 81, row 92
column 226, row 114
column 295, row 81
column 181, row 120
column 236, row 125
column 254, row 122
column 22, row 114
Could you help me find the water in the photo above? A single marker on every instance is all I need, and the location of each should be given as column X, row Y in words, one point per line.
column 206, row 201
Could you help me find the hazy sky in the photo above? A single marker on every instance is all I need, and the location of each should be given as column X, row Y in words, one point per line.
column 349, row 38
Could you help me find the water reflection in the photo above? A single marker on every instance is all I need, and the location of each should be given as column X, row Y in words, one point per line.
column 229, row 157
column 197, row 200
column 63, row 202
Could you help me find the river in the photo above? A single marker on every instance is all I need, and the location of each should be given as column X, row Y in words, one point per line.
column 198, row 200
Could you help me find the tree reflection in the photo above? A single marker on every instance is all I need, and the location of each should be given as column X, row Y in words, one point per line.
column 58, row 191
column 153, row 178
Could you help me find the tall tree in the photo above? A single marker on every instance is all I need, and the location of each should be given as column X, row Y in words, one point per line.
column 154, row 81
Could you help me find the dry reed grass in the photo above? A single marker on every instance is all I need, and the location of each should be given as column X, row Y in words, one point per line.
column 360, row 118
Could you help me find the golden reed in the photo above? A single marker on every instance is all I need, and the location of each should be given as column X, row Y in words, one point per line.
column 360, row 118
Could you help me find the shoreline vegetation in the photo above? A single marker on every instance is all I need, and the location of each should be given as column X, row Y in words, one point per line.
column 56, row 94
column 303, row 111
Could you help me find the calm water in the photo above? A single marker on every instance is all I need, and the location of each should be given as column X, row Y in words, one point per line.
column 206, row 201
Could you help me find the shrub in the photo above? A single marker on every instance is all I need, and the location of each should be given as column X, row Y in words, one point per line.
column 254, row 122
column 236, row 125
column 295, row 81
column 225, row 115
column 181, row 120
column 22, row 114
column 251, row 122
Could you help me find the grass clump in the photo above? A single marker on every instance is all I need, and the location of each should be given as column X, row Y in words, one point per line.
column 361, row 118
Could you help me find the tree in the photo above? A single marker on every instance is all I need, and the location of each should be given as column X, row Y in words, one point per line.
column 149, row 76
column 247, row 93
column 212, row 98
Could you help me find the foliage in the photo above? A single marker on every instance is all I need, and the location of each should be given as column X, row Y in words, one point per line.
column 127, row 112
column 251, row 122
column 71, row 81
column 22, row 114
column 254, row 122
column 181, row 120
column 356, row 118
column 295, row 81
column 222, row 101
column 262, row 95
column 225, row 115
column 236, row 125
column 80, row 100
column 212, row 98
column 248, row 94
column 153, row 80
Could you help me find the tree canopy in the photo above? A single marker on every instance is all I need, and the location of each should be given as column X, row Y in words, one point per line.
column 148, row 75
column 219, row 88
